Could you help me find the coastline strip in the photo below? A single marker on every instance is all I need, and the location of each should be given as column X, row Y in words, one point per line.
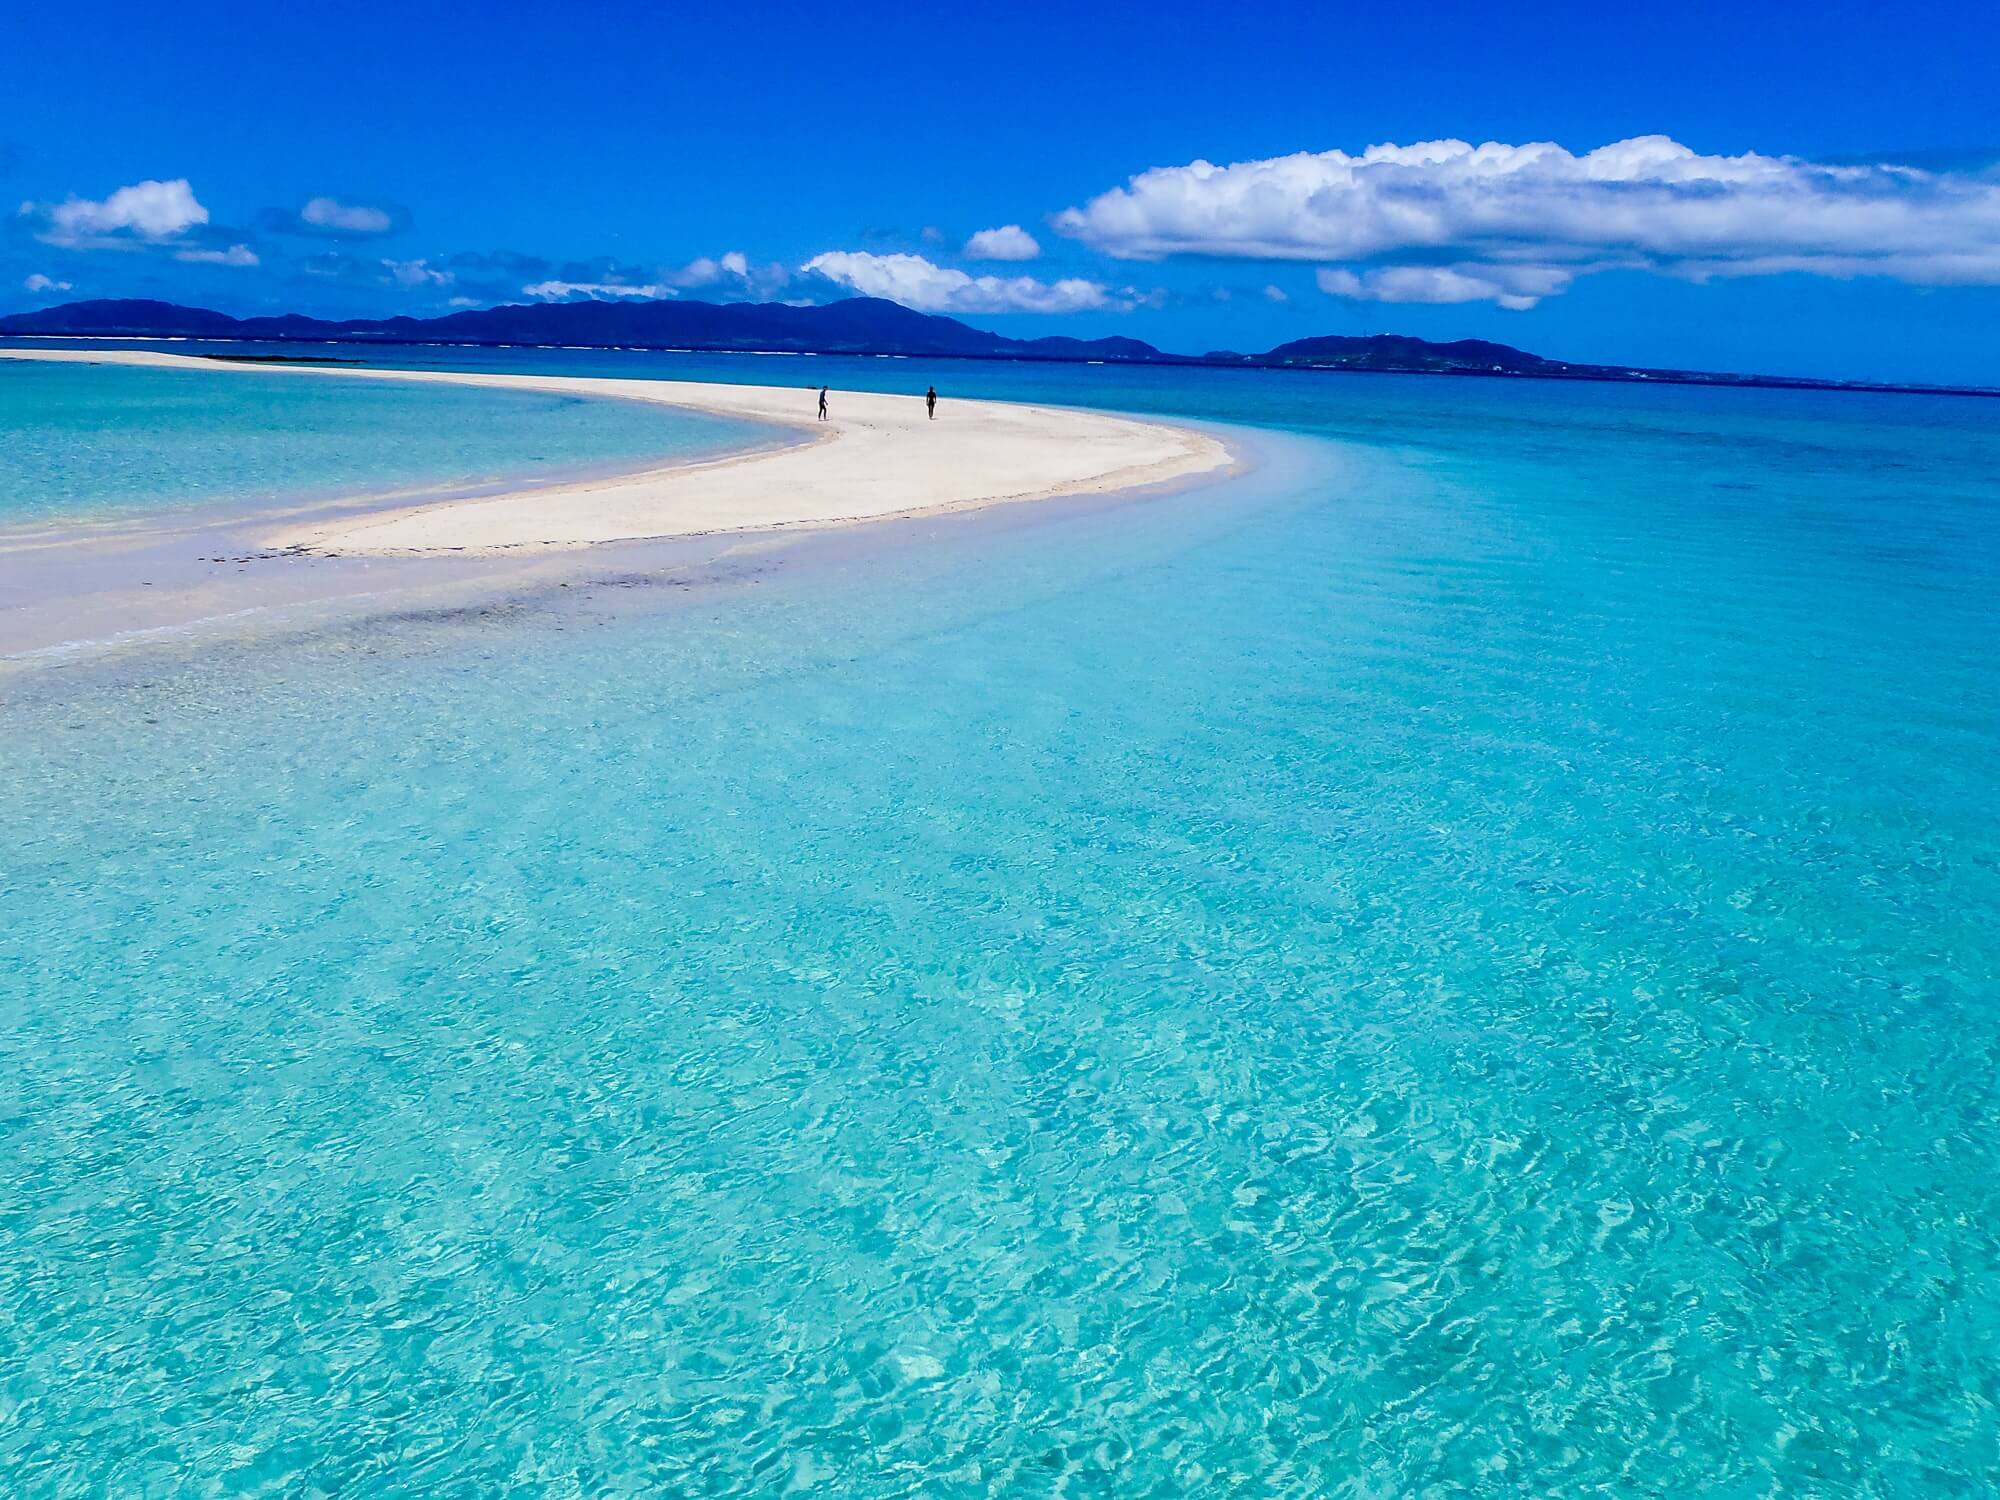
column 876, row 457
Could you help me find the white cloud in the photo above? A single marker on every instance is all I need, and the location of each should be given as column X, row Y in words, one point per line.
column 232, row 255
column 1516, row 287
column 417, row 273
column 1275, row 293
column 706, row 271
column 141, row 215
column 1448, row 221
column 40, row 283
column 601, row 291
column 145, row 210
column 1008, row 242
column 464, row 302
column 916, row 282
column 345, row 218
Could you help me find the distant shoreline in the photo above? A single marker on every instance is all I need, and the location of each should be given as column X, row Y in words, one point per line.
column 1570, row 374
column 861, row 327
column 874, row 457
column 1583, row 374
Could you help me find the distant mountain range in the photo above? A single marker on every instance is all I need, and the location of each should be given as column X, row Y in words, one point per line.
column 855, row 325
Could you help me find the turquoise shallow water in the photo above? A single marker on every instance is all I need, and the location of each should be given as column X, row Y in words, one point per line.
column 93, row 443
column 1463, row 962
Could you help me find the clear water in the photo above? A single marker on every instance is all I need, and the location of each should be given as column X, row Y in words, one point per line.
column 103, row 442
column 1465, row 962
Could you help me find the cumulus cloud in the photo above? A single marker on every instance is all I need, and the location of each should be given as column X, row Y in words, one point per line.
column 162, row 217
column 916, row 282
column 40, row 283
column 221, row 255
column 331, row 216
column 144, row 211
column 1275, row 293
column 732, row 271
column 1008, row 242
column 705, row 270
column 1445, row 221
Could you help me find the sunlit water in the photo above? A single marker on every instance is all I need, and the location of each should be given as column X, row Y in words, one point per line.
column 1465, row 961
column 101, row 442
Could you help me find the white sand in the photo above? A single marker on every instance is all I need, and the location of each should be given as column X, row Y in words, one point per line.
column 875, row 457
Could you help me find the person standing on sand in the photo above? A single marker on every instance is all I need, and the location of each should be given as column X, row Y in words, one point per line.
column 822, row 403
column 930, row 402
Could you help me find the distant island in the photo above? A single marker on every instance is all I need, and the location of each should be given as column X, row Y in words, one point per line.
column 854, row 325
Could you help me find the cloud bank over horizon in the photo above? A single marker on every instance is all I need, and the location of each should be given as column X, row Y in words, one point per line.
column 1446, row 221
column 1439, row 223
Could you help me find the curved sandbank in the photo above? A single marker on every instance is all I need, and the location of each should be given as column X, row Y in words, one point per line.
column 874, row 458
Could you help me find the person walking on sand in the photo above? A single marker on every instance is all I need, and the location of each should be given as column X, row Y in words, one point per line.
column 822, row 403
column 930, row 402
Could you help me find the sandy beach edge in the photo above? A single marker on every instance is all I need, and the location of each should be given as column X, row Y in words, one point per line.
column 876, row 457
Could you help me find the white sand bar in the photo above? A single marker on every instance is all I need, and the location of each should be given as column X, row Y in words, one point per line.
column 875, row 457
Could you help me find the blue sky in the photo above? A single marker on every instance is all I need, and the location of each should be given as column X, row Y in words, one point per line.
column 376, row 159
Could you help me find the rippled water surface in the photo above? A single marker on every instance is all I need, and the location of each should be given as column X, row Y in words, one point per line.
column 100, row 442
column 1465, row 961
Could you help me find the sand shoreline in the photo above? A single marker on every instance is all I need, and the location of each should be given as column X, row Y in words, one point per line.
column 100, row 585
column 876, row 458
